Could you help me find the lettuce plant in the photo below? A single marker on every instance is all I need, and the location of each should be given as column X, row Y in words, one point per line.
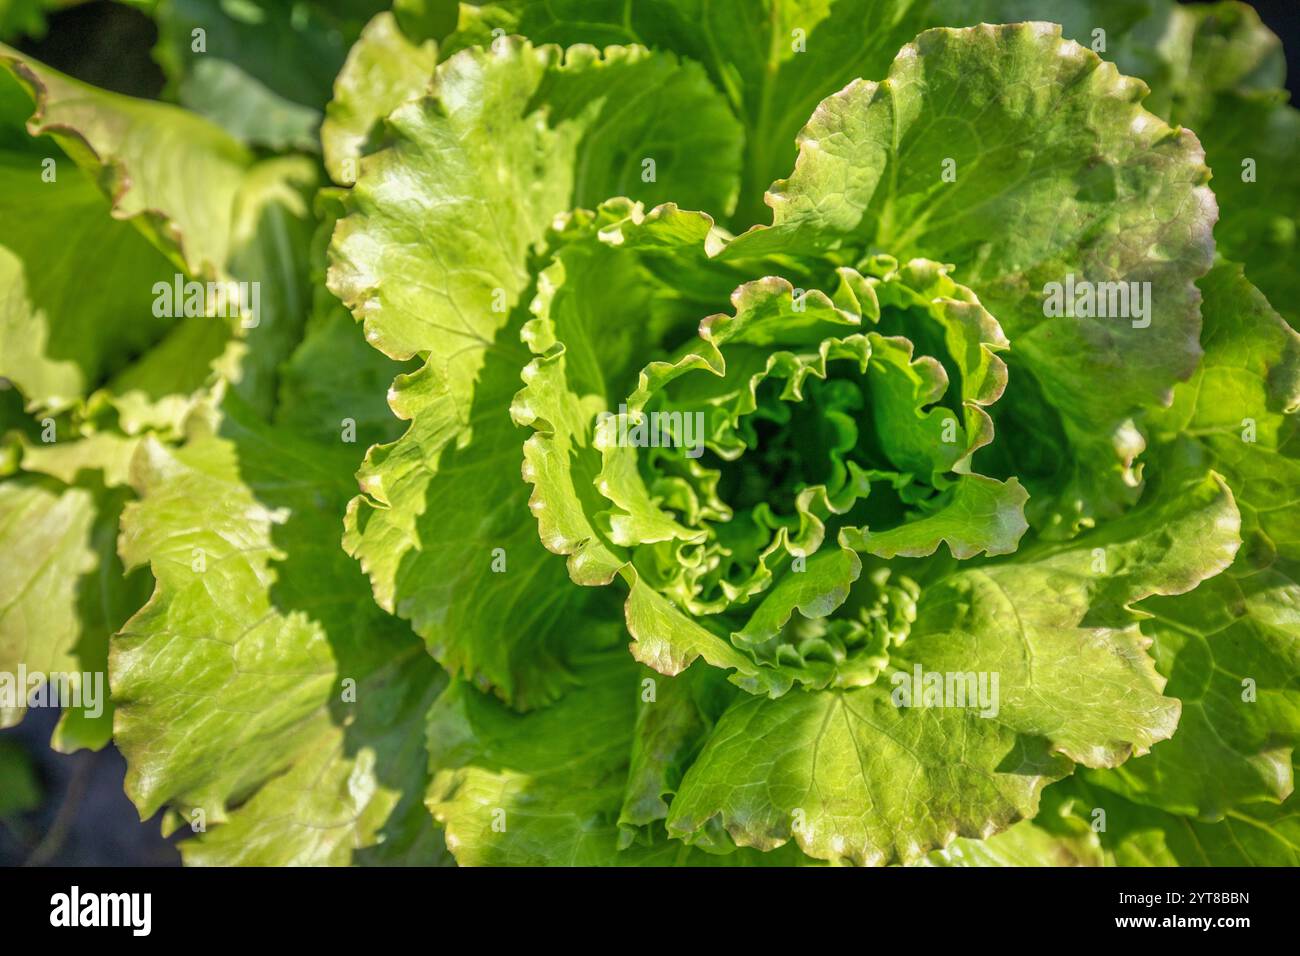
column 853, row 435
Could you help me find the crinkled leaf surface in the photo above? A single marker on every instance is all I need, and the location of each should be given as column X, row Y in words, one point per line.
column 260, row 654
column 1058, row 171
column 584, row 368
column 438, row 529
column 264, row 70
column 111, row 196
column 383, row 69
column 545, row 788
column 774, row 61
column 1258, row 834
column 63, row 591
column 1230, row 648
column 854, row 775
column 55, row 342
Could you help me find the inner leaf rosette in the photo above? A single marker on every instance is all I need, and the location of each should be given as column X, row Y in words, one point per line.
column 742, row 476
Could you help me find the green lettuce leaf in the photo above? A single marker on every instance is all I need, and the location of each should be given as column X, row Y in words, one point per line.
column 655, row 515
column 293, row 702
column 54, row 343
column 673, row 719
column 86, row 359
column 1213, row 68
column 545, row 788
column 1058, row 836
column 61, row 496
column 261, row 71
column 66, row 594
column 774, row 61
column 260, row 656
column 1230, row 648
column 1131, row 834
column 247, row 221
column 332, row 387
column 1064, row 174
column 115, row 138
column 437, row 529
column 832, row 776
column 382, row 70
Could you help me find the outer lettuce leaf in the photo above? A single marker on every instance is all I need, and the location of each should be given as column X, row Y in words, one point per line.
column 352, row 797
column 1136, row 835
column 272, row 235
column 157, row 390
column 545, row 788
column 63, row 591
column 444, row 547
column 1250, row 377
column 332, row 387
column 1084, row 825
column 304, row 697
column 260, row 655
column 673, row 718
column 88, row 458
column 54, row 342
column 383, row 69
column 90, row 360
column 1257, row 836
column 1260, row 219
column 774, row 60
column 543, row 106
column 851, row 762
column 1191, row 55
column 1061, row 172
column 444, row 486
column 1235, row 745
column 1216, row 69
column 1025, row 844
column 1210, row 795
column 120, row 143
column 1058, row 836
column 248, row 221
column 1230, row 750
column 1221, row 71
